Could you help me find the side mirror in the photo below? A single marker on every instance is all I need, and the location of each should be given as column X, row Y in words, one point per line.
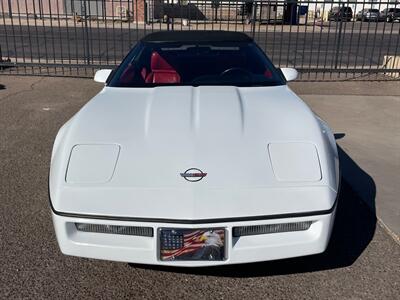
column 289, row 73
column 102, row 75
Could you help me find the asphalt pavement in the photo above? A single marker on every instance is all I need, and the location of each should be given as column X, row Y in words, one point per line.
column 362, row 261
column 367, row 117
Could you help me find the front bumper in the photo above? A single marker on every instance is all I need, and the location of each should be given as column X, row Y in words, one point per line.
column 144, row 250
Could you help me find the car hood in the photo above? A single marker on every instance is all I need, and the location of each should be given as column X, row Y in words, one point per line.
column 136, row 142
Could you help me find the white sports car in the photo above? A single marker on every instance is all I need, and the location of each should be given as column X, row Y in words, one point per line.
column 195, row 153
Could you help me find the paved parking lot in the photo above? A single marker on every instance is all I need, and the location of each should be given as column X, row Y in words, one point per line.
column 362, row 261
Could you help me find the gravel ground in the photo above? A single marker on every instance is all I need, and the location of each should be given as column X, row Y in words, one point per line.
column 362, row 261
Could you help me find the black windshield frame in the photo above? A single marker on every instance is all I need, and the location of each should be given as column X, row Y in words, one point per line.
column 142, row 49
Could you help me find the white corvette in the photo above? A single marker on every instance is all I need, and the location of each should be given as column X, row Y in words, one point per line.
column 195, row 153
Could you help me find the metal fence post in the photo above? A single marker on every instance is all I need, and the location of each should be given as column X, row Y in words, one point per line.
column 40, row 9
column 87, row 48
column 253, row 18
column 9, row 9
column 339, row 38
column 172, row 10
column 168, row 25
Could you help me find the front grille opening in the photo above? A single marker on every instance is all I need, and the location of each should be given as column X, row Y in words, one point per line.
column 270, row 228
column 115, row 229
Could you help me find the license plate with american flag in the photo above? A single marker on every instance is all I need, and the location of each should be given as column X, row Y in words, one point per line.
column 192, row 244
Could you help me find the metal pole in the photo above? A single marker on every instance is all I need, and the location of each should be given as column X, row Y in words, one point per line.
column 253, row 18
column 172, row 10
column 40, row 9
column 338, row 40
column 9, row 9
column 86, row 33
column 168, row 15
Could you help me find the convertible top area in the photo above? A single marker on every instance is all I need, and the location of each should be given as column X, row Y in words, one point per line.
column 196, row 36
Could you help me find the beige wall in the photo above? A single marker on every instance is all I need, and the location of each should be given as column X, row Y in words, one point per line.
column 35, row 7
column 57, row 7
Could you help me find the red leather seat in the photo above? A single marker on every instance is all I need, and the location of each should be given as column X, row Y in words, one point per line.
column 161, row 71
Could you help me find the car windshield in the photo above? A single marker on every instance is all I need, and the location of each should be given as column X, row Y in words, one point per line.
column 152, row 64
column 373, row 10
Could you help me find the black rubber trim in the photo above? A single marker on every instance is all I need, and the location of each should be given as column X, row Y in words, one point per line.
column 200, row 221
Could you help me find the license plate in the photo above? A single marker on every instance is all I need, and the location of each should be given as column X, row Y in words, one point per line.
column 192, row 244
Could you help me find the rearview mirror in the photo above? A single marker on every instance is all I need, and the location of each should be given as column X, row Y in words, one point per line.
column 289, row 73
column 102, row 75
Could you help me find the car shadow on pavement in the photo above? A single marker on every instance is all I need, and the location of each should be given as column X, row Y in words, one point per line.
column 353, row 230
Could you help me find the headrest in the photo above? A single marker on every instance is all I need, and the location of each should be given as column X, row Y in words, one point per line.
column 159, row 63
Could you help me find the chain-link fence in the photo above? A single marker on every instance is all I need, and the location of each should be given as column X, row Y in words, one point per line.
column 323, row 40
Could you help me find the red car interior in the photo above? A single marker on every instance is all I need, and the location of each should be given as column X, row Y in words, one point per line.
column 143, row 73
column 161, row 71
column 268, row 73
